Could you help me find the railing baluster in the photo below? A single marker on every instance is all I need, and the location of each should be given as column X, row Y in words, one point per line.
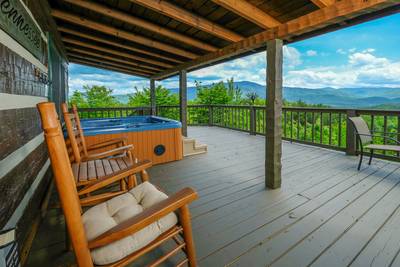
column 330, row 128
column 340, row 130
column 384, row 131
column 298, row 125
column 291, row 125
column 305, row 126
column 284, row 122
column 313, row 127
column 321, row 130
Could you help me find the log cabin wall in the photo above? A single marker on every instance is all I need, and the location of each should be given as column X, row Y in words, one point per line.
column 29, row 74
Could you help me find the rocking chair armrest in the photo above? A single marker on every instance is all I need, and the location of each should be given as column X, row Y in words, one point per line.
column 145, row 218
column 109, row 153
column 109, row 179
column 115, row 141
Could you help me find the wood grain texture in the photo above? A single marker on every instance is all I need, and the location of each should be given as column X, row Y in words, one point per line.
column 125, row 17
column 273, row 117
column 15, row 184
column 145, row 142
column 325, row 207
column 330, row 15
column 116, row 43
column 17, row 127
column 17, row 75
column 120, row 33
column 250, row 12
column 189, row 18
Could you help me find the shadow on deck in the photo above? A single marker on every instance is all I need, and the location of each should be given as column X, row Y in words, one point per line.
column 326, row 213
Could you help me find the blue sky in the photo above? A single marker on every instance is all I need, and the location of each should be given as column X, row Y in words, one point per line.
column 366, row 55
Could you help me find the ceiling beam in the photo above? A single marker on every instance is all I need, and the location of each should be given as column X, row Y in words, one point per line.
column 106, row 67
column 323, row 3
column 116, row 52
column 110, row 58
column 102, row 61
column 120, row 33
column 127, row 18
column 115, row 43
column 319, row 19
column 250, row 12
column 189, row 18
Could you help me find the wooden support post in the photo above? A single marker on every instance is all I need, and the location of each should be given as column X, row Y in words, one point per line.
column 152, row 97
column 183, row 100
column 351, row 146
column 273, row 134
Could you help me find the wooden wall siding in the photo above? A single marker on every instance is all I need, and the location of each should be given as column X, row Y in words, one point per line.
column 17, row 127
column 24, row 225
column 17, row 75
column 15, row 184
column 144, row 143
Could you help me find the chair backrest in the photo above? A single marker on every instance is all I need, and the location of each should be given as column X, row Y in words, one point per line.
column 362, row 129
column 75, row 134
column 65, row 182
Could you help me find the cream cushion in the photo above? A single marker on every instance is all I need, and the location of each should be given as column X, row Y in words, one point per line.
column 109, row 214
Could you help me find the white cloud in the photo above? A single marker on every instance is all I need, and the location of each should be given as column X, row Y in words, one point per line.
column 365, row 58
column 363, row 69
column 311, row 53
column 341, row 51
column 291, row 57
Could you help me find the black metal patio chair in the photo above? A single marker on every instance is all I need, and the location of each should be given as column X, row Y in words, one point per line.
column 365, row 139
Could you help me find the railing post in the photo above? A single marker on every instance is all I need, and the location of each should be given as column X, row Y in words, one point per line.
column 152, row 97
column 210, row 115
column 183, row 101
column 252, row 120
column 351, row 146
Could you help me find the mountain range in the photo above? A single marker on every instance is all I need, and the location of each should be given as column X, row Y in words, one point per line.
column 343, row 97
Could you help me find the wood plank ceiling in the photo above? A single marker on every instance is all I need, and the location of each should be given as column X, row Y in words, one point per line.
column 154, row 38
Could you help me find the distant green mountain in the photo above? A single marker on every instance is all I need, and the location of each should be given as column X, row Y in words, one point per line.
column 344, row 97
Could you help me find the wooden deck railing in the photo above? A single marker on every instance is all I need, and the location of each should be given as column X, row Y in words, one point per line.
column 325, row 127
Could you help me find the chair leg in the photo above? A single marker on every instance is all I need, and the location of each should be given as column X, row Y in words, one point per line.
column 361, row 158
column 188, row 236
column 132, row 182
column 370, row 157
column 144, row 175
column 122, row 185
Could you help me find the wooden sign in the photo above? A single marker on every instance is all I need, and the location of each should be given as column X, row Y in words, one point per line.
column 17, row 22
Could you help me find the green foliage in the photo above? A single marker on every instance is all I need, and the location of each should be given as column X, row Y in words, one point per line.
column 95, row 97
column 78, row 99
column 214, row 94
column 163, row 97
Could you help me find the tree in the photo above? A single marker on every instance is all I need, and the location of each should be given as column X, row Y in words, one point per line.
column 214, row 94
column 100, row 96
column 252, row 97
column 78, row 99
column 163, row 97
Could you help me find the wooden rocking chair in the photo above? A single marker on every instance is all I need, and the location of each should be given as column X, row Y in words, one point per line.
column 119, row 230
column 88, row 167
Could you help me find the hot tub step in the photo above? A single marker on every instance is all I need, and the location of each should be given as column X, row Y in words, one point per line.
column 190, row 147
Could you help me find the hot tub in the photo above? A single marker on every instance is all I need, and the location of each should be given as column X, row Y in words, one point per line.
column 155, row 138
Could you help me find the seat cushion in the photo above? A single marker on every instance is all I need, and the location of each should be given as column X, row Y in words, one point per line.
column 109, row 214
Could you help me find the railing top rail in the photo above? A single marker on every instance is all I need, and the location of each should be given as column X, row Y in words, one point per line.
column 300, row 109
column 112, row 108
column 378, row 112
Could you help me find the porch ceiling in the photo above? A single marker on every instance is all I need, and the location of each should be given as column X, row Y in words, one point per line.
column 157, row 38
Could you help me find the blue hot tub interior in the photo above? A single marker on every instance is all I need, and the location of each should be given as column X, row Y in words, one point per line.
column 127, row 124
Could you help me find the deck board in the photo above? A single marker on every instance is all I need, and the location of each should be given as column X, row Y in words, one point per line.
column 326, row 213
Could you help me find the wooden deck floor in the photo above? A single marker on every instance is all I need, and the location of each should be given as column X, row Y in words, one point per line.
column 326, row 213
